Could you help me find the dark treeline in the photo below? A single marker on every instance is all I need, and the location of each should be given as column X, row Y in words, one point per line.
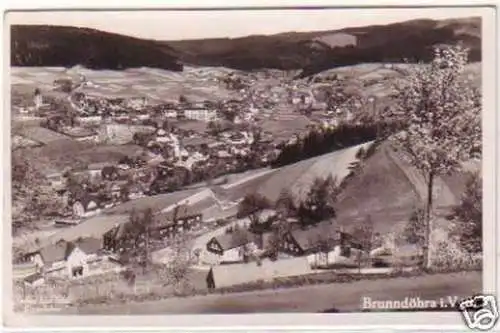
column 319, row 142
column 41, row 45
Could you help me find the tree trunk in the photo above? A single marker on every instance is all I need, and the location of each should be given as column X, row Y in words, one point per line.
column 427, row 220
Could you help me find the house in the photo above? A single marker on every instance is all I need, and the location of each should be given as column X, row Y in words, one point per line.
column 176, row 221
column 71, row 259
column 56, row 180
column 86, row 206
column 51, row 259
column 201, row 114
column 221, row 276
column 323, row 237
column 405, row 255
column 232, row 247
column 81, row 133
column 34, row 280
column 90, row 120
column 83, row 255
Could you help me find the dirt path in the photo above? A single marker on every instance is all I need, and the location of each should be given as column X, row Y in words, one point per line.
column 317, row 298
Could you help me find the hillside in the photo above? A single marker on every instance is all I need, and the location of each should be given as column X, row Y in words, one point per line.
column 316, row 51
column 59, row 46
column 387, row 190
column 311, row 52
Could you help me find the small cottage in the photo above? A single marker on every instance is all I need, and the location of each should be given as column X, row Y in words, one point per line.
column 83, row 255
column 232, row 247
column 323, row 243
column 51, row 259
column 86, row 206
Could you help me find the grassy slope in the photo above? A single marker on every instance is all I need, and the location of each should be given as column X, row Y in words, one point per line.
column 381, row 191
column 63, row 154
column 345, row 297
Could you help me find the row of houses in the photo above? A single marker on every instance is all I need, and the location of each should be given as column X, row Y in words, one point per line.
column 323, row 238
column 166, row 225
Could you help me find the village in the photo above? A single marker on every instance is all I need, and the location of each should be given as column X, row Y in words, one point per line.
column 284, row 178
column 179, row 153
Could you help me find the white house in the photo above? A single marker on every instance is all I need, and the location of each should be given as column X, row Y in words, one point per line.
column 92, row 120
column 232, row 247
column 81, row 255
column 201, row 114
column 170, row 113
column 69, row 259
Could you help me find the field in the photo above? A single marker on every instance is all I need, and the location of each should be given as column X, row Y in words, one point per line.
column 61, row 154
column 157, row 85
column 343, row 297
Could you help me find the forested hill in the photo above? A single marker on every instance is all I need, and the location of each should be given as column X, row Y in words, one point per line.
column 41, row 45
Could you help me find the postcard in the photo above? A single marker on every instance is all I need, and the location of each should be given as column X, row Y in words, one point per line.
column 255, row 166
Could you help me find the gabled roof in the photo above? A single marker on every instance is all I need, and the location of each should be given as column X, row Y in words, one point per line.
column 33, row 278
column 310, row 238
column 89, row 245
column 54, row 252
column 233, row 240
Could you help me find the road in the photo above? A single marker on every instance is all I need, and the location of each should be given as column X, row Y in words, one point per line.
column 343, row 297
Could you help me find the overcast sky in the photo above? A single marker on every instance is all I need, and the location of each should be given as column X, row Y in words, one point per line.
column 175, row 25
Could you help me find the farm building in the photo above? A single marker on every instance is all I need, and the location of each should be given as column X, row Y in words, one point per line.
column 81, row 133
column 86, row 206
column 80, row 258
column 83, row 255
column 176, row 221
column 406, row 255
column 323, row 237
column 232, row 247
column 200, row 114
column 230, row 275
column 51, row 259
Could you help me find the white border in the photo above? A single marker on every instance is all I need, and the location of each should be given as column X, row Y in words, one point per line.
column 266, row 321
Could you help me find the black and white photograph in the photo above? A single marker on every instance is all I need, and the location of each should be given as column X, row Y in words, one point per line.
column 248, row 161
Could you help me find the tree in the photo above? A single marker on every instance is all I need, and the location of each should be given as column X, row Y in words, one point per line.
column 468, row 216
column 285, row 204
column 414, row 230
column 180, row 260
column 252, row 206
column 364, row 234
column 275, row 243
column 242, row 236
column 441, row 112
column 32, row 198
column 319, row 204
column 137, row 239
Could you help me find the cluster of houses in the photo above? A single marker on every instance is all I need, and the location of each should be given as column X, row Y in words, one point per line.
column 88, row 256
column 324, row 238
column 69, row 260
